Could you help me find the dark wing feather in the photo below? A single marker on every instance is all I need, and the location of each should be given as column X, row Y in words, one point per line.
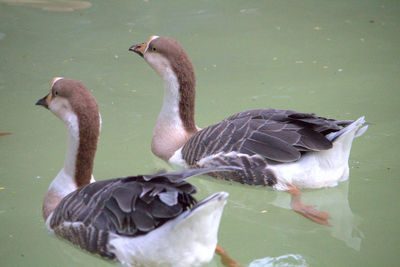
column 277, row 135
column 270, row 147
column 125, row 201
column 130, row 206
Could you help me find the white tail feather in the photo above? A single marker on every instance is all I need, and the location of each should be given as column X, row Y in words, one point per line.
column 361, row 131
column 353, row 126
column 188, row 240
column 321, row 168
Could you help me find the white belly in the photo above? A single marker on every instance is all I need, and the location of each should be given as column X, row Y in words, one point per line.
column 314, row 170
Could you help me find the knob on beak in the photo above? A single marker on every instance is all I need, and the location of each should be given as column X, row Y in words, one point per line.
column 141, row 49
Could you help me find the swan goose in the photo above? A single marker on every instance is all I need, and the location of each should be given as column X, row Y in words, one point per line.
column 144, row 220
column 285, row 149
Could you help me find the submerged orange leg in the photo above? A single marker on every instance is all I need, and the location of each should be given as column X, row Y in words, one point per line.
column 307, row 211
column 225, row 259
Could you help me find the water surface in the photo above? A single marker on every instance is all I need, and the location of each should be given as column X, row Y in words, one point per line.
column 337, row 59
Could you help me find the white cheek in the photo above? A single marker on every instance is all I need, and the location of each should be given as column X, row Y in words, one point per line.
column 59, row 106
column 162, row 66
column 63, row 110
column 158, row 62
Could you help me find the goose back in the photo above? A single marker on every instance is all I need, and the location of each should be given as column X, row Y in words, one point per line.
column 255, row 138
column 130, row 206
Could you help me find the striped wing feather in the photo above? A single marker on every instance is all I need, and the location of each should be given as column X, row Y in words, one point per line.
column 277, row 135
column 130, row 206
column 269, row 135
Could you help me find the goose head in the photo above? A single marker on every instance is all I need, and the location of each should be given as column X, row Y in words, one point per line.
column 68, row 98
column 167, row 57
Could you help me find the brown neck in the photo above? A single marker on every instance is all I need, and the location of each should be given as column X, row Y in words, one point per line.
column 184, row 71
column 78, row 166
column 86, row 109
column 187, row 101
column 175, row 123
column 89, row 129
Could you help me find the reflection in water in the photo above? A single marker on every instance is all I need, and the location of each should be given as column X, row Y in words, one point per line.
column 334, row 201
column 281, row 261
column 50, row 5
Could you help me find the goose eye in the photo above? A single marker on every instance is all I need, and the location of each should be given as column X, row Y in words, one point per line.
column 55, row 93
column 154, row 49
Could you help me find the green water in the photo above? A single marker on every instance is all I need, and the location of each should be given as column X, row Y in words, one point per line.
column 339, row 59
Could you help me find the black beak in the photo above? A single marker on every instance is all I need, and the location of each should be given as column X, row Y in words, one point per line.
column 137, row 49
column 42, row 102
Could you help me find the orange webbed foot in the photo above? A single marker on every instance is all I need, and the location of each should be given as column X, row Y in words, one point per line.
column 307, row 211
column 226, row 260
